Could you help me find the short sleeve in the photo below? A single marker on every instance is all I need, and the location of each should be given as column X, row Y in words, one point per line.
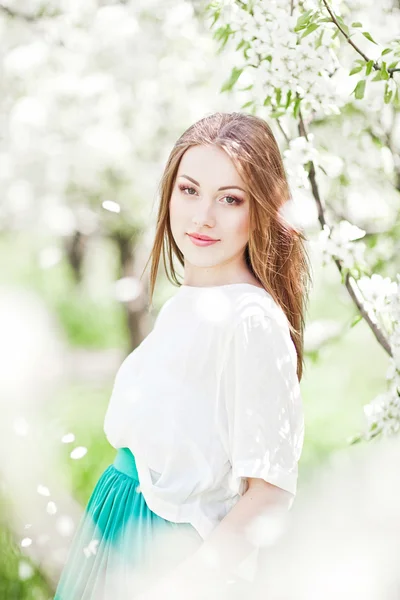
column 263, row 402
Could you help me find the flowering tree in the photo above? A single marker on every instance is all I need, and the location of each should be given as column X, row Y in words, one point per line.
column 308, row 63
column 93, row 94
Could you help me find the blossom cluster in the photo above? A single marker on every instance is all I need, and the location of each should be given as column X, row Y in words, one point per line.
column 279, row 64
column 338, row 242
column 296, row 53
column 383, row 297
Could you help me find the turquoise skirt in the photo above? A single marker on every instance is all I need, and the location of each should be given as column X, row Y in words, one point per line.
column 118, row 547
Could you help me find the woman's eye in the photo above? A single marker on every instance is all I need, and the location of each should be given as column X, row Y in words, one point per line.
column 235, row 200
column 186, row 187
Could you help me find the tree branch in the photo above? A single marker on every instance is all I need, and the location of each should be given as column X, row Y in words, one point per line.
column 285, row 135
column 350, row 282
column 13, row 14
column 16, row 15
column 350, row 41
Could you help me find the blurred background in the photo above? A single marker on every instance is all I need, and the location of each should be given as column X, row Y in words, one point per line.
column 93, row 95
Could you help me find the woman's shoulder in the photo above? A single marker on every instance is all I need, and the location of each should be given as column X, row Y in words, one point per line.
column 224, row 307
column 253, row 305
column 259, row 327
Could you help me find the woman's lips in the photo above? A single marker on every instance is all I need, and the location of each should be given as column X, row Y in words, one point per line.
column 198, row 242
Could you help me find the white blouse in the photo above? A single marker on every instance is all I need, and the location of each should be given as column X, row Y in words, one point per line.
column 210, row 397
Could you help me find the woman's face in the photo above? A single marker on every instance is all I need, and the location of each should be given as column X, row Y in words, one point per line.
column 199, row 205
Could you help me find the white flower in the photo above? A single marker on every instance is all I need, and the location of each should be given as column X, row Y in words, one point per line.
column 338, row 242
column 78, row 452
column 91, row 548
column 43, row 490
column 51, row 508
column 383, row 414
column 111, row 206
column 376, row 290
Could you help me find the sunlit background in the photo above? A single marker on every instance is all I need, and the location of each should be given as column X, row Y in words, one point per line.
column 93, row 94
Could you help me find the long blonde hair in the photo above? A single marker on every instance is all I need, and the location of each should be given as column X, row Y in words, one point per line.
column 275, row 253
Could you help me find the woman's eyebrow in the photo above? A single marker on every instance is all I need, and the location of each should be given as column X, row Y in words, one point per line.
column 224, row 187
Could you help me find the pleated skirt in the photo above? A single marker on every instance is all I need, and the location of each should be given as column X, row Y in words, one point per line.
column 120, row 546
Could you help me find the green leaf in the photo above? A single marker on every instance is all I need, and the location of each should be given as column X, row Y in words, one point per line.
column 355, row 70
column 246, row 104
column 318, row 43
column 303, row 20
column 393, row 64
column 386, row 51
column 343, row 274
column 396, row 99
column 388, row 94
column 384, row 72
column 288, row 99
column 247, row 88
column 368, row 67
column 222, row 35
column 216, row 16
column 234, row 76
column 310, row 29
column 356, row 439
column 313, row 355
column 296, row 108
column 343, row 25
column 378, row 76
column 277, row 113
column 241, row 44
column 356, row 24
column 359, row 90
column 356, row 320
column 369, row 37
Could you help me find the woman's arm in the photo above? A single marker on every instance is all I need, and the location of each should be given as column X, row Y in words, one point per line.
column 224, row 549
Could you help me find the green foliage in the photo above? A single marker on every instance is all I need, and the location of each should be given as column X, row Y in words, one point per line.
column 368, row 67
column 312, row 27
column 234, row 76
column 388, row 94
column 369, row 37
column 89, row 323
column 304, row 20
column 81, row 407
column 343, row 25
column 12, row 587
column 384, row 72
column 222, row 35
column 94, row 322
column 355, row 70
column 356, row 320
column 307, row 23
column 359, row 90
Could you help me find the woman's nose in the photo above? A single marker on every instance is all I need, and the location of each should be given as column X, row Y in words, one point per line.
column 204, row 214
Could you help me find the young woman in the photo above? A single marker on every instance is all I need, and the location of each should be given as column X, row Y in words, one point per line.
column 206, row 413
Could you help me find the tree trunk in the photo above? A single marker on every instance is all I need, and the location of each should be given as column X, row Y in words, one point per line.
column 138, row 320
column 76, row 249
